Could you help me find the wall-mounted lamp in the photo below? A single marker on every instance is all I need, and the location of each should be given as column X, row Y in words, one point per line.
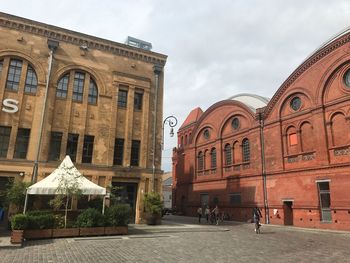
column 21, row 174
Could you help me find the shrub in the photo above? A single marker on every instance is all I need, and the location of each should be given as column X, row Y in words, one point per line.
column 118, row 215
column 16, row 193
column 96, row 203
column 90, row 218
column 40, row 221
column 19, row 222
column 58, row 221
column 153, row 203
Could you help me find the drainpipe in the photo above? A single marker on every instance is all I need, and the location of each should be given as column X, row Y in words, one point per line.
column 52, row 45
column 157, row 69
column 263, row 167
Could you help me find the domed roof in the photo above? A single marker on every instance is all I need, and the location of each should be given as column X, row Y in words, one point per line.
column 252, row 101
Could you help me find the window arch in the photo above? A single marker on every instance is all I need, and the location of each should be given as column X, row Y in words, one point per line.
column 306, row 134
column 200, row 161
column 340, row 129
column 93, row 93
column 228, row 154
column 31, row 83
column 245, row 150
column 213, row 158
column 62, row 87
column 292, row 140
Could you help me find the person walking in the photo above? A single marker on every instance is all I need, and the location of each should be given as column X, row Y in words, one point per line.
column 216, row 213
column 256, row 218
column 207, row 213
column 199, row 213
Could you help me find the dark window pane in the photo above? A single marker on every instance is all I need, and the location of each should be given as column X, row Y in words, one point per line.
column 22, row 142
column 14, row 75
column 323, row 186
column 92, row 98
column 228, row 154
column 200, row 161
column 213, row 158
column 246, row 150
column 235, row 199
column 135, row 153
column 122, row 98
column 1, row 66
column 55, row 146
column 325, row 200
column 31, row 81
column 72, row 145
column 78, row 86
column 88, row 149
column 118, row 151
column 62, row 87
column 138, row 101
column 4, row 140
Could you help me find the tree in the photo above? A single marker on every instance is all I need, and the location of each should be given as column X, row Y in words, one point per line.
column 16, row 193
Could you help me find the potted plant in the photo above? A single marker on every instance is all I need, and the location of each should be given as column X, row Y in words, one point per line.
column 116, row 219
column 19, row 223
column 154, row 206
column 40, row 225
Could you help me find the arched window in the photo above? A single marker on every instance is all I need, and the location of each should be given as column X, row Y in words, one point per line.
column 182, row 142
column 292, row 140
column 236, row 153
column 31, row 81
column 62, row 87
column 213, row 158
column 245, row 150
column 186, row 141
column 200, row 161
column 307, row 137
column 340, row 130
column 78, row 86
column 14, row 75
column 228, row 154
column 92, row 98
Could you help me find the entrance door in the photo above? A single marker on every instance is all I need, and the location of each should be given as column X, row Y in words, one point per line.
column 125, row 193
column 288, row 213
column 204, row 202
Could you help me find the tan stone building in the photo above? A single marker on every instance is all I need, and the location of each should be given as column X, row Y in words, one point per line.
column 68, row 93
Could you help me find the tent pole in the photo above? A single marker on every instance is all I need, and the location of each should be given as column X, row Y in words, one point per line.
column 103, row 205
column 25, row 203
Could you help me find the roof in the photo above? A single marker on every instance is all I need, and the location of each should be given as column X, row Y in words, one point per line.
column 192, row 117
column 252, row 101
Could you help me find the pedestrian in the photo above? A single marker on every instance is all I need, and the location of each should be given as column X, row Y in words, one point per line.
column 216, row 213
column 256, row 219
column 199, row 213
column 207, row 213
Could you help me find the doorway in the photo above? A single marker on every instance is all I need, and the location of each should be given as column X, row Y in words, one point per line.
column 204, row 202
column 288, row 213
column 125, row 193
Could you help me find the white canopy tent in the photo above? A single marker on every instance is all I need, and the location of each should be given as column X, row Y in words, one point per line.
column 68, row 173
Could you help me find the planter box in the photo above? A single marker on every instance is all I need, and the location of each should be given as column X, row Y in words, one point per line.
column 92, row 231
column 17, row 236
column 65, row 232
column 116, row 230
column 152, row 219
column 38, row 233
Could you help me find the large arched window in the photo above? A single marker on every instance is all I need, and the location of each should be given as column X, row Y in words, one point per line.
column 31, row 81
column 228, row 154
column 200, row 161
column 213, row 158
column 92, row 99
column 245, row 150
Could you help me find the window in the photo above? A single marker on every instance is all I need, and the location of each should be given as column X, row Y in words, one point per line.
column 246, row 150
column 138, row 101
column 14, row 75
column 228, row 154
column 235, row 199
column 235, row 123
column 31, row 81
column 213, row 158
column 4, row 140
column 295, row 103
column 118, row 151
column 62, row 87
column 186, row 140
column 122, row 98
column 200, row 161
column 55, row 146
column 206, row 134
column 325, row 201
column 22, row 142
column 1, row 66
column 135, row 153
column 72, row 145
column 88, row 148
column 92, row 98
column 347, row 78
column 78, row 86
column 293, row 139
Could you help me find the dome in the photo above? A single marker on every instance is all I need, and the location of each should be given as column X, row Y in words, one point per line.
column 252, row 101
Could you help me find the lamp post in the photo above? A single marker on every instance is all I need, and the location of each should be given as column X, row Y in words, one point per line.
column 172, row 122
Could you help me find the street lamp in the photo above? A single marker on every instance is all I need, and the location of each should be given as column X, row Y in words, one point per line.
column 172, row 122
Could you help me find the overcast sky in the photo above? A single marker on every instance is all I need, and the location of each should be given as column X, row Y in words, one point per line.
column 215, row 48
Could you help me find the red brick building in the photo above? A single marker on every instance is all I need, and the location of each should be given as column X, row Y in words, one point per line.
column 290, row 155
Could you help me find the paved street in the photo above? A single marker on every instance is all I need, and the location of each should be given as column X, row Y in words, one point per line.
column 180, row 239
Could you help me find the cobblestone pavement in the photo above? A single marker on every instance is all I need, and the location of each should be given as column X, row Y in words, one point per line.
column 178, row 241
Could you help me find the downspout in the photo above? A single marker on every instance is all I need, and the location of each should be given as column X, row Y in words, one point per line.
column 52, row 45
column 157, row 70
column 263, row 167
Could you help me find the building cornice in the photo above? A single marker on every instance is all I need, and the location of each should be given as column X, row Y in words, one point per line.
column 78, row 39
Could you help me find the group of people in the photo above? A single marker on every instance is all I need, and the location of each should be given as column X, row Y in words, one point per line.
column 213, row 216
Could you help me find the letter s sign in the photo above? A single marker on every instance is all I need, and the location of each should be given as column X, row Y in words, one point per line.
column 10, row 105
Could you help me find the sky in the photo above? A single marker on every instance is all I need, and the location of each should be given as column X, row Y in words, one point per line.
column 215, row 48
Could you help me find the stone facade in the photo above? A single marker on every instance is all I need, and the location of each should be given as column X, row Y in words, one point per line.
column 291, row 157
column 100, row 64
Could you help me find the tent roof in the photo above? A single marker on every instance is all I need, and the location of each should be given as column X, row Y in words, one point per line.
column 69, row 174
